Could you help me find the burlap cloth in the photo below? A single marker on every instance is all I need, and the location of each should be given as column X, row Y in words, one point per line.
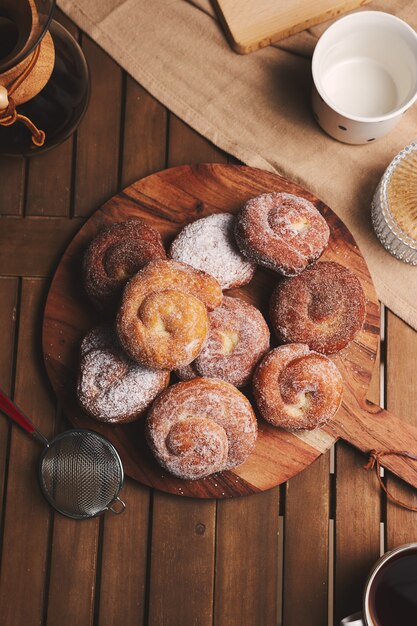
column 256, row 107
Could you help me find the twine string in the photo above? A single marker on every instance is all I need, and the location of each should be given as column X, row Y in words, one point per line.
column 374, row 461
column 9, row 115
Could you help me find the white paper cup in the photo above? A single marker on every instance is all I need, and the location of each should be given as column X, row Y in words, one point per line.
column 365, row 76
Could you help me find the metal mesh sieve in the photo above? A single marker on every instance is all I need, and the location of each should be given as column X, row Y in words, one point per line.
column 81, row 474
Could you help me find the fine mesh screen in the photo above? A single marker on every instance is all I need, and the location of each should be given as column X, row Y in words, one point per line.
column 81, row 473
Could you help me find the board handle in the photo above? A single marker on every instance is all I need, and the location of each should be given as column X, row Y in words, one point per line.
column 368, row 427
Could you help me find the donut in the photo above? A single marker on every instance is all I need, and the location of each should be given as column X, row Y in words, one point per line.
column 111, row 387
column 116, row 254
column 281, row 231
column 237, row 339
column 296, row 388
column 200, row 427
column 163, row 321
column 323, row 307
column 209, row 244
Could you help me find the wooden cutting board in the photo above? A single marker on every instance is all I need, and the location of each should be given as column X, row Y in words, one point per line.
column 254, row 24
column 168, row 200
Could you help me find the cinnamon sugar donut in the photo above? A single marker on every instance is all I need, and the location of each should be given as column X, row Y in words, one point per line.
column 163, row 320
column 209, row 244
column 111, row 387
column 237, row 339
column 296, row 388
column 281, row 231
column 323, row 307
column 200, row 427
column 116, row 254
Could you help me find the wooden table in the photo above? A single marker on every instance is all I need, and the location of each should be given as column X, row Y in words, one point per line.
column 297, row 555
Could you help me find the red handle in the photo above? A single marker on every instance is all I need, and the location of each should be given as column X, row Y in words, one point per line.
column 11, row 410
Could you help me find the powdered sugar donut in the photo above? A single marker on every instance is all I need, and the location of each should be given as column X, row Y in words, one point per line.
column 323, row 307
column 281, row 231
column 209, row 245
column 200, row 427
column 237, row 339
column 296, row 388
column 111, row 387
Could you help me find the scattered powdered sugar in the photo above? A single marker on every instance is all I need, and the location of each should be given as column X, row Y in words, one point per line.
column 209, row 245
column 112, row 387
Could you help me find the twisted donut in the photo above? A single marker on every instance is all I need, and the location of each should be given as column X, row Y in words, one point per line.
column 323, row 307
column 209, row 244
column 296, row 388
column 115, row 255
column 282, row 232
column 200, row 427
column 112, row 388
column 163, row 320
column 237, row 339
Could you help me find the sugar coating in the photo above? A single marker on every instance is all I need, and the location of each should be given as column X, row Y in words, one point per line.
column 237, row 339
column 200, row 427
column 281, row 231
column 115, row 254
column 162, row 321
column 296, row 388
column 323, row 307
column 209, row 244
column 111, row 387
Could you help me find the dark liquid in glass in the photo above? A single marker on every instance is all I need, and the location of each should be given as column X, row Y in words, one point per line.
column 393, row 597
column 9, row 36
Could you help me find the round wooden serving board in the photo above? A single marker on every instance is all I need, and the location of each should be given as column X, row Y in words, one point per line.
column 168, row 200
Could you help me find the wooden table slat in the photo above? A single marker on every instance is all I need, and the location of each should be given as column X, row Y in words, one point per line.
column 34, row 245
column 401, row 391
column 357, row 521
column 24, row 563
column 98, row 136
column 247, row 560
column 145, row 129
column 307, row 542
column 12, row 185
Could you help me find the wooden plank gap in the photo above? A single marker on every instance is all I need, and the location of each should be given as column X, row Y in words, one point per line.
column 331, row 574
column 25, row 187
column 146, row 604
column 282, row 499
column 122, row 125
column 10, row 391
column 48, row 567
column 280, row 570
column 215, row 561
column 382, row 538
column 99, row 562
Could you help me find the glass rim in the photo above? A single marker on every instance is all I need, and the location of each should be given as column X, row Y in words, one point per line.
column 383, row 197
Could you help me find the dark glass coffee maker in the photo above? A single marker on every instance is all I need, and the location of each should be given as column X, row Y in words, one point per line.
column 44, row 83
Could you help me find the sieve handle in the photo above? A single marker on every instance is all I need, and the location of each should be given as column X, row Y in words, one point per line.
column 15, row 414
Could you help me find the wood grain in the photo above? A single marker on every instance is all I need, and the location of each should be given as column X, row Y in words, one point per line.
column 9, row 300
column 168, row 200
column 250, row 26
column 401, row 393
column 33, row 246
column 97, row 169
column 25, row 546
column 247, row 560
